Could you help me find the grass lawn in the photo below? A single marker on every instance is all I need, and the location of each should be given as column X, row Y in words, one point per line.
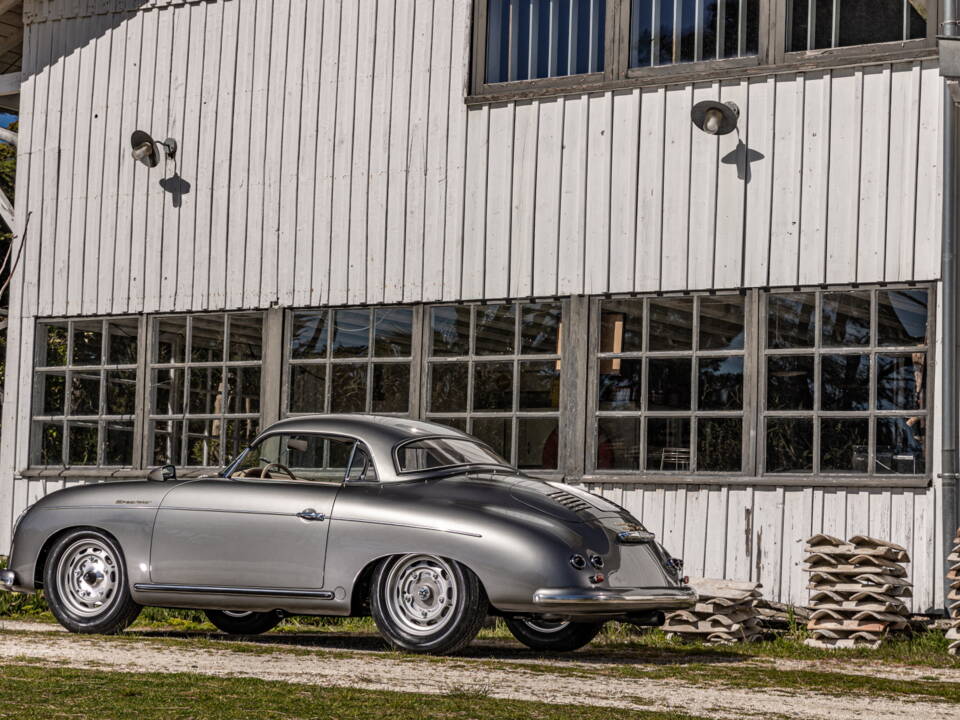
column 41, row 693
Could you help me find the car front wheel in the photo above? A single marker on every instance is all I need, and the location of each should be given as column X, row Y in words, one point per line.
column 558, row 635
column 427, row 604
column 243, row 623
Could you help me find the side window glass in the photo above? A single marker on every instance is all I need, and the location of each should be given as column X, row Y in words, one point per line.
column 362, row 468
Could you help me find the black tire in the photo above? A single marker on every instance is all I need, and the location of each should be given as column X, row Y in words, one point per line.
column 85, row 584
column 539, row 634
column 251, row 623
column 420, row 621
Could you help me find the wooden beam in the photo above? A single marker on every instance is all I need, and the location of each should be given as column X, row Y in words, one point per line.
column 11, row 43
column 10, row 83
column 7, row 5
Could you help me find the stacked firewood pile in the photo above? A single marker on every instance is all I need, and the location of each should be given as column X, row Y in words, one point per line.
column 725, row 613
column 953, row 598
column 858, row 591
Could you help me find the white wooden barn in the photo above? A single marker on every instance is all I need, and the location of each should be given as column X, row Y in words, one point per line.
column 499, row 215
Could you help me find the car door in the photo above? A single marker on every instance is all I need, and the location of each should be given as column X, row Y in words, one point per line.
column 265, row 527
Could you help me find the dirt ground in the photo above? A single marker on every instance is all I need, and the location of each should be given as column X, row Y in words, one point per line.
column 354, row 665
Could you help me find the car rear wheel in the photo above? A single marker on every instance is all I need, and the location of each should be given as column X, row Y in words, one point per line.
column 85, row 584
column 243, row 623
column 558, row 635
column 427, row 604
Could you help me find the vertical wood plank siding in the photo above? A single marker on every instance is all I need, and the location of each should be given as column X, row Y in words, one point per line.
column 327, row 156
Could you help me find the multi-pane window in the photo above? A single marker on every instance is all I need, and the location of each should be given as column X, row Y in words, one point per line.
column 494, row 371
column 204, row 381
column 350, row 360
column 820, row 24
column 85, row 391
column 844, row 385
column 669, row 384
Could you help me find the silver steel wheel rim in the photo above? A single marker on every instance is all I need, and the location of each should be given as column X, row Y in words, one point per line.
column 420, row 594
column 88, row 578
column 237, row 614
column 546, row 627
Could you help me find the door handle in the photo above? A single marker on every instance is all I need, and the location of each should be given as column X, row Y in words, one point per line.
column 311, row 514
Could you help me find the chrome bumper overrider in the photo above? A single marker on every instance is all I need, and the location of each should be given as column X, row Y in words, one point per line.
column 614, row 600
column 7, row 580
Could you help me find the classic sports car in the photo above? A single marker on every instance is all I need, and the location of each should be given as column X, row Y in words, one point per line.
column 421, row 526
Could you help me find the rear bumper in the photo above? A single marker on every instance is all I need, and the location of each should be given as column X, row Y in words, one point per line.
column 613, row 600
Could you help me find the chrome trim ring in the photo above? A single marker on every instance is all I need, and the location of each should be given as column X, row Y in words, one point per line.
column 545, row 627
column 238, row 614
column 420, row 594
column 88, row 578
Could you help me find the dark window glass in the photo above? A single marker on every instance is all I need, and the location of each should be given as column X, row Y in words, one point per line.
column 620, row 383
column 206, row 343
column 671, row 324
column 721, row 323
column 309, row 341
column 168, row 386
column 348, row 388
column 721, row 383
column 859, row 22
column 246, row 337
column 493, row 386
column 495, row 432
column 203, row 443
column 124, row 337
column 308, row 388
column 54, row 347
column 668, row 384
column 668, row 444
column 790, row 382
column 391, row 388
column 870, row 21
column 539, row 386
column 88, row 343
column 789, row 445
column 450, row 328
column 118, row 444
column 121, row 392
column 846, row 319
column 538, row 443
column 798, row 26
column 621, row 326
column 393, row 332
column 720, row 444
column 791, row 320
column 171, row 340
column 844, row 445
column 83, row 444
column 206, row 391
column 496, row 329
column 457, row 423
column 901, row 445
column 53, row 387
column 167, row 442
column 239, row 434
column 448, row 387
column 51, row 444
column 901, row 381
column 540, row 326
column 618, row 444
column 85, row 394
column 845, row 382
column 243, row 390
column 902, row 317
column 351, row 333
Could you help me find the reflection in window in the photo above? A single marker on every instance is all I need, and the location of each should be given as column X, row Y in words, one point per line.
column 789, row 445
column 820, row 24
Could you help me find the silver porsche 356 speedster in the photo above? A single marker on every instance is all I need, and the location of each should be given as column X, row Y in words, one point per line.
column 421, row 526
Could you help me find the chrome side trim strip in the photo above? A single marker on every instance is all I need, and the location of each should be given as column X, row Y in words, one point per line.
column 215, row 590
column 407, row 525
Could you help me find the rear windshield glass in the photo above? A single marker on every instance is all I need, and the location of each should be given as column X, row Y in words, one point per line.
column 433, row 453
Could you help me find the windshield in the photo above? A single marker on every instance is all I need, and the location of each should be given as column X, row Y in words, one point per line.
column 434, row 453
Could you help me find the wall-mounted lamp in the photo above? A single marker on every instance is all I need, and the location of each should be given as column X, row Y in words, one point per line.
column 146, row 150
column 715, row 118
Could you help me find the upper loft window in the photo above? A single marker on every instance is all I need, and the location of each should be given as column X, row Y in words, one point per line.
column 822, row 24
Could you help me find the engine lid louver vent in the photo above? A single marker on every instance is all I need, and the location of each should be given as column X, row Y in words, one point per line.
column 571, row 502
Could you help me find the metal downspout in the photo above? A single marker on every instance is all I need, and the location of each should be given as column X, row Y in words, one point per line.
column 951, row 309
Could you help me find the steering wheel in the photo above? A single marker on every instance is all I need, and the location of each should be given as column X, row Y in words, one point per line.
column 278, row 466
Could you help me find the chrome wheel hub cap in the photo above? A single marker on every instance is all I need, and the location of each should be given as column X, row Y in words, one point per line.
column 421, row 594
column 88, row 578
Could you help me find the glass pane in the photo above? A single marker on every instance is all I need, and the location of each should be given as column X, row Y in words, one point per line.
column 244, row 392
column 539, row 386
column 721, row 323
column 668, row 385
column 719, row 445
column 85, row 393
column 541, row 326
column 448, row 387
column 309, row 338
column 338, row 455
column 391, row 388
column 206, row 344
column 348, row 389
column 797, row 37
column 203, row 443
column 52, row 386
column 167, row 442
column 671, row 324
column 871, row 21
column 49, row 441
column 450, row 328
column 791, row 320
column 308, row 388
column 495, row 432
column 246, row 337
column 239, row 435
column 845, row 382
column 668, row 444
column 496, row 327
column 171, row 340
column 844, row 445
column 124, row 339
column 118, row 444
column 206, row 391
column 789, row 445
column 538, row 441
column 121, row 392
column 901, row 381
column 493, row 386
column 83, row 443
column 790, row 382
column 901, row 317
column 351, row 333
column 621, row 326
column 393, row 332
column 53, row 345
column 846, row 319
column 902, row 445
column 88, row 343
column 618, row 444
column 168, row 386
column 823, row 24
column 456, row 423
column 721, row 383
column 620, row 383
